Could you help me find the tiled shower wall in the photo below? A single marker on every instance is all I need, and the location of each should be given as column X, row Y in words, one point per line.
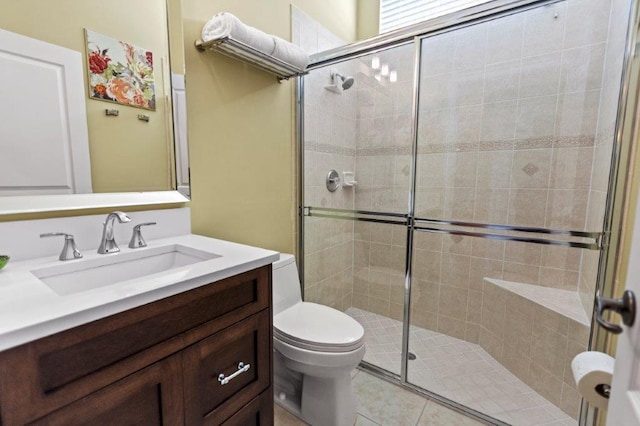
column 516, row 121
column 507, row 134
column 330, row 134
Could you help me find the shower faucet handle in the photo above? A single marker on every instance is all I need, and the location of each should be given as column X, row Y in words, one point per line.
column 333, row 181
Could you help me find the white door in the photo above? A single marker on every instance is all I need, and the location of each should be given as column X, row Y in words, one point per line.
column 180, row 132
column 44, row 142
column 624, row 405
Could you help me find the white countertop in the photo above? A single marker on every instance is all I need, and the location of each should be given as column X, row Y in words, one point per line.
column 30, row 310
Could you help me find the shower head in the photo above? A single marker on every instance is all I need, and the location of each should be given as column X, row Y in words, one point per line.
column 339, row 82
column 345, row 81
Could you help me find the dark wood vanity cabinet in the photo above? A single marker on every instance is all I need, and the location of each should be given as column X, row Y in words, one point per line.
column 158, row 364
column 151, row 396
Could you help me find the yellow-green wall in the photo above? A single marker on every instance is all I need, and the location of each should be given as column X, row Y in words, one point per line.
column 176, row 44
column 126, row 154
column 241, row 125
column 368, row 19
column 241, row 122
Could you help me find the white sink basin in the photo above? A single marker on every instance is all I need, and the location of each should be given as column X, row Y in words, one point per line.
column 82, row 275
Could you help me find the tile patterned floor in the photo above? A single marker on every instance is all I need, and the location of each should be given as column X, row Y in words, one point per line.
column 458, row 370
column 381, row 403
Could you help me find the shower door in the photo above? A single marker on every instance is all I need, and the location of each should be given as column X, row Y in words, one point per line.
column 355, row 238
column 513, row 155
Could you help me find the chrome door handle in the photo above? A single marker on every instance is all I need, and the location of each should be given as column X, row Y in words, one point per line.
column 625, row 306
column 241, row 369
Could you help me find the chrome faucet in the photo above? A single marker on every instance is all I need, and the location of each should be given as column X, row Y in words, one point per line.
column 108, row 242
column 137, row 241
column 69, row 250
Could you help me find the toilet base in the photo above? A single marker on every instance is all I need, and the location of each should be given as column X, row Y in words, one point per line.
column 328, row 401
column 322, row 398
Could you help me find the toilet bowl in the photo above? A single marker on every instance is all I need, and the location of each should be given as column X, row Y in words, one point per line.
column 316, row 349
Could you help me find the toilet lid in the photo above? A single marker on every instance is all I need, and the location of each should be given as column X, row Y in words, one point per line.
column 318, row 327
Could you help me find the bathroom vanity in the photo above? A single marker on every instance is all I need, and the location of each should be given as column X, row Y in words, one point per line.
column 164, row 348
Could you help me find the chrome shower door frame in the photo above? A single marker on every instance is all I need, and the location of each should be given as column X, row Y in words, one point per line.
column 607, row 242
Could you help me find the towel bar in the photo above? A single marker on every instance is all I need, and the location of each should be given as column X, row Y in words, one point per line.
column 243, row 52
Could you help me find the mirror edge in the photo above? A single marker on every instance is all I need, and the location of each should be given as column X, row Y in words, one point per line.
column 14, row 205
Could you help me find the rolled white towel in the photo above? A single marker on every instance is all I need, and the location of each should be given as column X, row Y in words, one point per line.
column 225, row 24
column 290, row 53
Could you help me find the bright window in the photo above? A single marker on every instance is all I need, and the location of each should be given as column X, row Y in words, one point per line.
column 395, row 14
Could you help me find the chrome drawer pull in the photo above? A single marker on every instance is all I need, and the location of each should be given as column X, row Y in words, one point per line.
column 241, row 369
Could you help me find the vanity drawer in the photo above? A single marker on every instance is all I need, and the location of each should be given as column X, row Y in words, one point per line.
column 207, row 400
column 57, row 370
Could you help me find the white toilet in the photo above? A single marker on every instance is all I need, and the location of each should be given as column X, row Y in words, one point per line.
column 316, row 349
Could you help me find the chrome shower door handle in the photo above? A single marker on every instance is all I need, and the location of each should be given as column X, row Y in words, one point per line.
column 625, row 306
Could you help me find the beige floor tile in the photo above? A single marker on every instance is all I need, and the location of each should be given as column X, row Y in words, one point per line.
column 454, row 369
column 435, row 414
column 283, row 418
column 363, row 421
column 385, row 403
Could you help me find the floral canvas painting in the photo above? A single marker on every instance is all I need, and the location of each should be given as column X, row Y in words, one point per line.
column 120, row 72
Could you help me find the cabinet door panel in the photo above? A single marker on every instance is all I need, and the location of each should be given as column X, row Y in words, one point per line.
column 207, row 400
column 258, row 412
column 152, row 396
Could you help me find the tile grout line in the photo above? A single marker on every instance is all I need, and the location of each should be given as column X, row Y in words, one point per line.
column 426, row 401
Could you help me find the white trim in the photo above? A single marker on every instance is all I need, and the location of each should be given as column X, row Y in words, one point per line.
column 48, row 203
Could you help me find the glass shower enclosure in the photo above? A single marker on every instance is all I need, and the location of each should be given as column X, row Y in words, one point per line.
column 465, row 233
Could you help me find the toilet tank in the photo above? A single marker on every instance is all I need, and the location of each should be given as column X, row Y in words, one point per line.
column 286, row 284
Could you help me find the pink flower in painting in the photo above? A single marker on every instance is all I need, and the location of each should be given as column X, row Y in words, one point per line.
column 149, row 57
column 98, row 61
column 120, row 90
column 140, row 100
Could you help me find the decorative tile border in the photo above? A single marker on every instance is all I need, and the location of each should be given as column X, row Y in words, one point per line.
column 329, row 149
column 384, row 150
column 502, row 145
column 574, row 141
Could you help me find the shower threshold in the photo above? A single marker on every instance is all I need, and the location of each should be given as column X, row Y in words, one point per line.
column 457, row 370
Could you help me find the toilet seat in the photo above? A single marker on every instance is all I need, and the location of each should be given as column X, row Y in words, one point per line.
column 317, row 327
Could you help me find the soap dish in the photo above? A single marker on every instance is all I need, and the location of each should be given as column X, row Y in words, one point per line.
column 4, row 260
column 349, row 179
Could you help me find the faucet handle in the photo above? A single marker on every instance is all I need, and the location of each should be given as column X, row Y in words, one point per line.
column 69, row 250
column 137, row 240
